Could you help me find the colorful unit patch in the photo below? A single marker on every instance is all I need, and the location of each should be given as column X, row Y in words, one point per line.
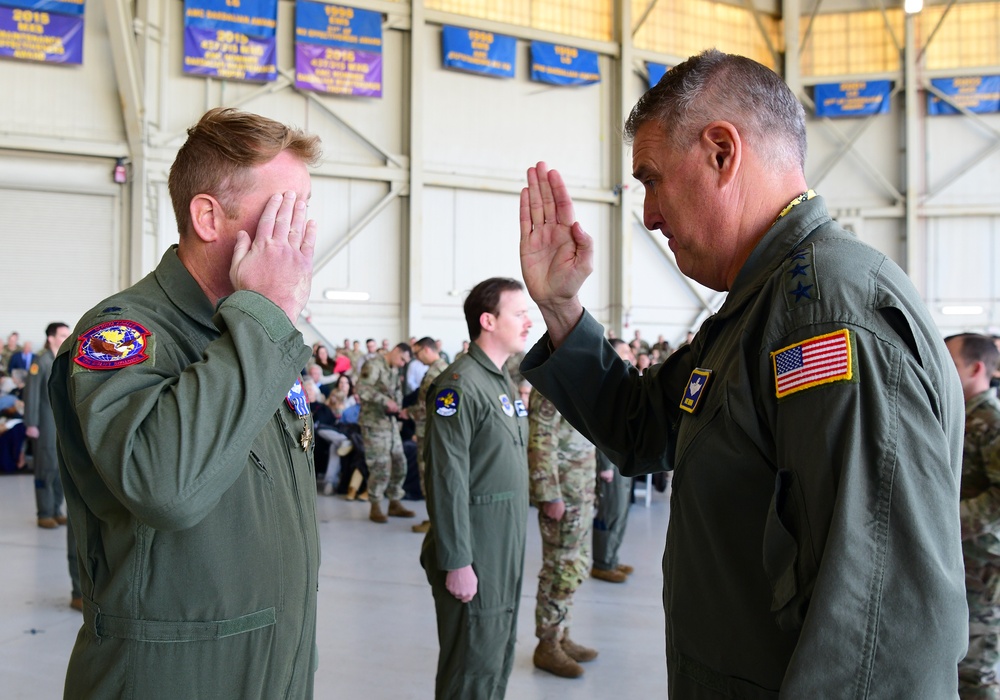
column 506, row 405
column 446, row 403
column 820, row 360
column 112, row 345
column 695, row 389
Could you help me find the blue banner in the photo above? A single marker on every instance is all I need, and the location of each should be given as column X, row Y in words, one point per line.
column 478, row 51
column 66, row 7
column 49, row 37
column 251, row 17
column 563, row 65
column 656, row 71
column 856, row 98
column 338, row 27
column 220, row 53
column 978, row 94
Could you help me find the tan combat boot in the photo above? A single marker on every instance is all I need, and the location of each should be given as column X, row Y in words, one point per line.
column 609, row 575
column 376, row 515
column 549, row 656
column 398, row 510
column 422, row 527
column 626, row 569
column 575, row 651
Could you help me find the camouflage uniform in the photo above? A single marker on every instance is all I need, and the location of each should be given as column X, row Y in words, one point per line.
column 379, row 383
column 980, row 513
column 561, row 466
column 418, row 412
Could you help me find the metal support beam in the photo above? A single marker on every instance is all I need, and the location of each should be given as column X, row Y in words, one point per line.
column 668, row 255
column 131, row 95
column 620, row 230
column 913, row 244
column 329, row 255
column 752, row 9
column 791, row 11
column 412, row 271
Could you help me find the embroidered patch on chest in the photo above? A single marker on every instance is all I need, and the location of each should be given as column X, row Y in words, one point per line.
column 113, row 345
column 821, row 360
column 506, row 405
column 446, row 403
column 695, row 389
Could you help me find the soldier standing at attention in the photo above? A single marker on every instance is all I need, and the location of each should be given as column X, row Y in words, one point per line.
column 975, row 358
column 381, row 403
column 477, row 498
column 185, row 441
column 561, row 477
column 614, row 496
column 425, row 350
column 41, row 427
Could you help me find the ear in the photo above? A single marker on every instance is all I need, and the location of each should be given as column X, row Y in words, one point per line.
column 724, row 147
column 487, row 321
column 207, row 216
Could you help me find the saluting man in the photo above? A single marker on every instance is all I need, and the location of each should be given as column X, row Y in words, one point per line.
column 477, row 498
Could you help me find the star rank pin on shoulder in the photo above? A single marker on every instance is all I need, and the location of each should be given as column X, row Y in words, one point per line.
column 695, row 389
column 297, row 401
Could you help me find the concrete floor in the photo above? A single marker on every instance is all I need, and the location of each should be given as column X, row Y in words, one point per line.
column 377, row 637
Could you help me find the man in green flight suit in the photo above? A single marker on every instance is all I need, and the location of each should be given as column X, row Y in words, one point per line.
column 975, row 357
column 185, row 442
column 814, row 424
column 425, row 350
column 477, row 498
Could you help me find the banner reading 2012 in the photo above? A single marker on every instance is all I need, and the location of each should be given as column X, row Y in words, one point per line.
column 231, row 39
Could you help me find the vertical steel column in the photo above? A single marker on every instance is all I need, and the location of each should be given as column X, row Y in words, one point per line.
column 913, row 242
column 412, row 274
column 791, row 13
column 620, row 229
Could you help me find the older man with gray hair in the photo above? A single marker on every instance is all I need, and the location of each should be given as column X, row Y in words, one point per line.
column 813, row 425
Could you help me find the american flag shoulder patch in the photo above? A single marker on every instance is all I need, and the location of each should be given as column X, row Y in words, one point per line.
column 821, row 360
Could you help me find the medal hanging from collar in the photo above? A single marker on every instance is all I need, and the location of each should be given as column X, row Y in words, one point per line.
column 297, row 401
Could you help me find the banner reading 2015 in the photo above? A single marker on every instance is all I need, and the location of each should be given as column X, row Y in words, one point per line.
column 231, row 39
column 50, row 31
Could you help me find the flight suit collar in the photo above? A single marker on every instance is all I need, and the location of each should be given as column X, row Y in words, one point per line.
column 784, row 237
column 482, row 358
column 182, row 289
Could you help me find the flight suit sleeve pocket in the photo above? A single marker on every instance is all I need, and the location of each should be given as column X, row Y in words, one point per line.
column 780, row 549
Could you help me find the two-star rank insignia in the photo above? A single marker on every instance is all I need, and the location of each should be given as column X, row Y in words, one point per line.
column 695, row 389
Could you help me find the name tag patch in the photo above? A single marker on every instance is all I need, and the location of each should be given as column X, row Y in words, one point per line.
column 823, row 359
column 519, row 407
column 695, row 390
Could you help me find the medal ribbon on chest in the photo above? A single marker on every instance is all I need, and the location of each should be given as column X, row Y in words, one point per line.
column 299, row 404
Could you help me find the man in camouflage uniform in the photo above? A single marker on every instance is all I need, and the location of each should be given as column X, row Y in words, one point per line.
column 561, row 476
column 425, row 350
column 381, row 401
column 975, row 358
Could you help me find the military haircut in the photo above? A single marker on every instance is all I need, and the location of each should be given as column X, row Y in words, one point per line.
column 719, row 86
column 485, row 298
column 220, row 152
column 53, row 328
column 977, row 348
column 404, row 347
column 618, row 342
column 427, row 342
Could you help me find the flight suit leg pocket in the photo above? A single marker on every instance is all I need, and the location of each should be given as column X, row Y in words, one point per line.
column 488, row 634
column 781, row 551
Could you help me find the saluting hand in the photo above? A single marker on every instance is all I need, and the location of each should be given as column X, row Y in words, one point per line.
column 557, row 255
column 277, row 263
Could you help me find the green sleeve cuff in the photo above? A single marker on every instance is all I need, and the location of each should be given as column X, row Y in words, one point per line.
column 269, row 315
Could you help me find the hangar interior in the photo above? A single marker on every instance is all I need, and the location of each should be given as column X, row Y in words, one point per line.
column 416, row 197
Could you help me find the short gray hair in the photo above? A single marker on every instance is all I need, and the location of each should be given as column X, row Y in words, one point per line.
column 715, row 85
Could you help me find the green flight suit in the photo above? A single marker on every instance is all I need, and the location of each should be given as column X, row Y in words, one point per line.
column 611, row 517
column 477, row 500
column 38, row 414
column 813, row 547
column 192, row 499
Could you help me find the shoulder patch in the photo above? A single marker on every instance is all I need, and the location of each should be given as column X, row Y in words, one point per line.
column 823, row 359
column 446, row 402
column 546, row 410
column 34, row 369
column 799, row 279
column 113, row 345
